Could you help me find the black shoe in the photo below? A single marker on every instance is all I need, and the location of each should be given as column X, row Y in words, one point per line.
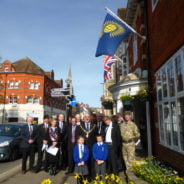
column 46, row 170
column 54, row 171
column 51, row 172
column 37, row 170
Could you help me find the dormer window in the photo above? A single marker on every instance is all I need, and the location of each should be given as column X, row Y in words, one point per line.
column 6, row 69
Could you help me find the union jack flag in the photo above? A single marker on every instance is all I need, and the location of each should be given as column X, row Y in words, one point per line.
column 108, row 61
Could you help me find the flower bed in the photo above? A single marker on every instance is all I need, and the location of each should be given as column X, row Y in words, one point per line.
column 154, row 172
column 108, row 179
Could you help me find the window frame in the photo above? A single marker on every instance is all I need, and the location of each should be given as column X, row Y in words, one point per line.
column 153, row 5
column 13, row 100
column 135, row 49
column 175, row 98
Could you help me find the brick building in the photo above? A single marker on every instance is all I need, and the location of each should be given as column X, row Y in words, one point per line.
column 132, row 53
column 25, row 91
column 166, row 43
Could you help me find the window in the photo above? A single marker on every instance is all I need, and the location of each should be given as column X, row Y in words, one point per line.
column 32, row 100
column 154, row 3
column 14, row 85
column 12, row 100
column 135, row 48
column 180, row 104
column 34, row 85
column 170, row 100
column 171, row 80
column 36, row 100
column 29, row 100
column 6, row 69
column 179, row 73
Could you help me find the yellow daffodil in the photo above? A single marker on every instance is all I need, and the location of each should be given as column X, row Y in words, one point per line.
column 85, row 182
column 97, row 177
column 106, row 177
column 46, row 181
column 77, row 176
column 112, row 177
column 101, row 182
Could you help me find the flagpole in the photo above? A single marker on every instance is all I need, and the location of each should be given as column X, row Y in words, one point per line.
column 115, row 16
column 118, row 58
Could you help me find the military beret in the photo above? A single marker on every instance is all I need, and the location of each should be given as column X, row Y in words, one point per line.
column 127, row 113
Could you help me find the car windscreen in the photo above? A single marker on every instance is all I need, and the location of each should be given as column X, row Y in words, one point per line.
column 9, row 130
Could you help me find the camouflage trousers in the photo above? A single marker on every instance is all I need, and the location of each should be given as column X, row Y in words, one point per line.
column 128, row 154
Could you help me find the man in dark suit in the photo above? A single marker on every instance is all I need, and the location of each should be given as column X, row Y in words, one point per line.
column 100, row 123
column 41, row 133
column 113, row 141
column 63, row 126
column 72, row 137
column 89, row 131
column 28, row 135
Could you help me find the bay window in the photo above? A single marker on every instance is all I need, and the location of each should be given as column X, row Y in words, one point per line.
column 170, row 100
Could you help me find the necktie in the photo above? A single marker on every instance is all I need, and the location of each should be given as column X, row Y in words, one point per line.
column 30, row 130
column 73, row 134
column 99, row 127
column 61, row 126
column 81, row 152
column 88, row 127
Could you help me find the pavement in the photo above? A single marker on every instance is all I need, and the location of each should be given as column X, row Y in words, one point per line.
column 9, row 169
column 10, row 173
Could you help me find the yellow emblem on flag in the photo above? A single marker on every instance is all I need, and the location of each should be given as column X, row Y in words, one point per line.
column 113, row 28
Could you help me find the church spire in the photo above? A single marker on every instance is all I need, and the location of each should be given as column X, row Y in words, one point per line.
column 70, row 73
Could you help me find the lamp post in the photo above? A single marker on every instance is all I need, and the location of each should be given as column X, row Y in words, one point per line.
column 4, row 101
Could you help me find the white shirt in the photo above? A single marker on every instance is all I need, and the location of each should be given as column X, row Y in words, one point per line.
column 78, row 123
column 100, row 143
column 108, row 137
column 45, row 125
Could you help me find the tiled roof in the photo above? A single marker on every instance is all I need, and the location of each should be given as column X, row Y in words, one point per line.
column 28, row 66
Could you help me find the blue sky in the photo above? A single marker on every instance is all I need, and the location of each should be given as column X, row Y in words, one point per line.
column 56, row 34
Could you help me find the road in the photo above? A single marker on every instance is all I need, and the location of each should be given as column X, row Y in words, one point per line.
column 32, row 178
column 5, row 166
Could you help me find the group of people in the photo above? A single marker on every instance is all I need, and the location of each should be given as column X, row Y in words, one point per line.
column 89, row 146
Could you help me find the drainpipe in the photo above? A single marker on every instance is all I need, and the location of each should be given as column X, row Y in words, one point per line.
column 149, row 104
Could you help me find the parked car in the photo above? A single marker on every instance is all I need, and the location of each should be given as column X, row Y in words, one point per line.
column 10, row 141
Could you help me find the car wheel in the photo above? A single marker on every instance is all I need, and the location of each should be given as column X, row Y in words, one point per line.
column 14, row 154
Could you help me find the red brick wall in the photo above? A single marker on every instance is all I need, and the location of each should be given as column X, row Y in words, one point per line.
column 23, row 89
column 166, row 30
column 166, row 36
column 141, row 63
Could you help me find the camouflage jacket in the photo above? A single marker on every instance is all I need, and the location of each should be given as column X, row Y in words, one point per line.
column 129, row 131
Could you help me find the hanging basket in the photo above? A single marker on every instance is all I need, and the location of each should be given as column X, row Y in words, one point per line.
column 127, row 101
column 108, row 106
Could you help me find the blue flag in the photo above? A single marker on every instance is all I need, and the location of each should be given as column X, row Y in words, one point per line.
column 113, row 32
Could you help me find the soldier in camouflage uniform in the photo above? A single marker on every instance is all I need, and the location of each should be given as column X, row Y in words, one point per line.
column 130, row 134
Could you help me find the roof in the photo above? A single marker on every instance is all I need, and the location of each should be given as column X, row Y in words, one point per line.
column 28, row 66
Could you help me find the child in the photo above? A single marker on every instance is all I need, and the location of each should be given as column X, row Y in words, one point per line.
column 100, row 153
column 53, row 137
column 81, row 156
